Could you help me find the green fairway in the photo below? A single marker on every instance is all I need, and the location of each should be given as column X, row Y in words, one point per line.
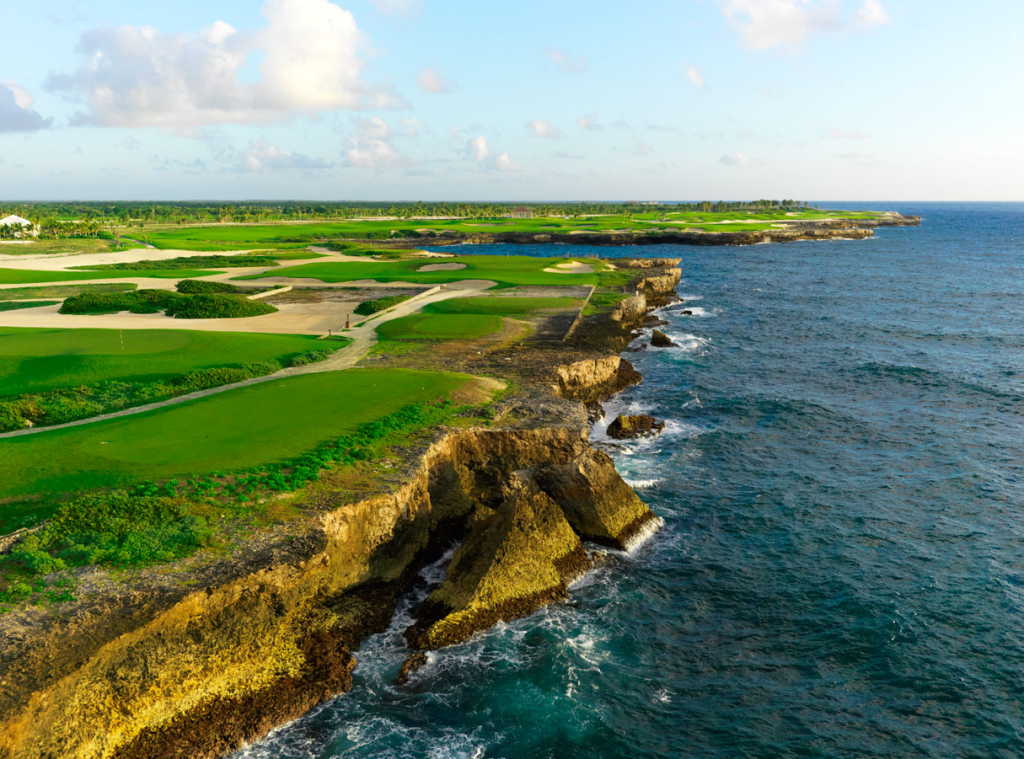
column 17, row 305
column 28, row 276
column 62, row 291
column 498, row 306
column 37, row 360
column 505, row 270
column 236, row 429
column 439, row 327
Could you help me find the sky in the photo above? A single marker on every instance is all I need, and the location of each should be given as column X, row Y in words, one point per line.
column 556, row 100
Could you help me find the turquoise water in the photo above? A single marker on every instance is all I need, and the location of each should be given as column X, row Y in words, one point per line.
column 842, row 568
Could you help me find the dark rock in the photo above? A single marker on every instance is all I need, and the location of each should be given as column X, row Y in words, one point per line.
column 654, row 321
column 410, row 665
column 627, row 427
column 687, row 312
column 660, row 340
column 595, row 411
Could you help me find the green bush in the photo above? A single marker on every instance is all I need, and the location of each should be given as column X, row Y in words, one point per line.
column 368, row 307
column 217, row 306
column 200, row 286
column 137, row 302
column 311, row 357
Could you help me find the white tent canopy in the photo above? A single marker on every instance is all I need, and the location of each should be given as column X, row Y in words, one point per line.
column 10, row 221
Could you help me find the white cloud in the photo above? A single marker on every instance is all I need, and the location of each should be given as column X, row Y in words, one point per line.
column 565, row 61
column 569, row 156
column 872, row 13
column 587, row 122
column 480, row 151
column 430, row 80
column 736, row 159
column 847, row 134
column 544, row 129
column 370, row 147
column 137, row 76
column 861, row 156
column 263, row 156
column 412, row 126
column 764, row 24
column 696, row 76
column 16, row 113
column 640, row 147
column 399, row 7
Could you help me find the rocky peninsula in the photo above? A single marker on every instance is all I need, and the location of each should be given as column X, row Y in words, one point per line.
column 197, row 658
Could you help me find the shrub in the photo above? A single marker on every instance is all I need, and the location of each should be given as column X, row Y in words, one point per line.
column 368, row 307
column 199, row 286
column 311, row 357
column 138, row 302
column 217, row 306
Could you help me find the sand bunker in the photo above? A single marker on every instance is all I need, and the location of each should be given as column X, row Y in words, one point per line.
column 572, row 267
column 441, row 267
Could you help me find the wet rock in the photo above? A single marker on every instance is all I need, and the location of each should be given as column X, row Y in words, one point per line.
column 409, row 666
column 628, row 427
column 595, row 411
column 660, row 340
column 687, row 312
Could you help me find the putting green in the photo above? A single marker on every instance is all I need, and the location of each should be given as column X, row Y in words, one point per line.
column 36, row 360
column 236, row 429
column 439, row 327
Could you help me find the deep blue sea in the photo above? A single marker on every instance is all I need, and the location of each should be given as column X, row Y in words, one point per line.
column 841, row 572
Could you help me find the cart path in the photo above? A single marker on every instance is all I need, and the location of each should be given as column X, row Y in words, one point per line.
column 363, row 337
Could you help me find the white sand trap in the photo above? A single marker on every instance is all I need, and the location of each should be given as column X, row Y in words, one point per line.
column 441, row 267
column 571, row 267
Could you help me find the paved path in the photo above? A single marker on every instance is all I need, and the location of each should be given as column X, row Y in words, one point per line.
column 363, row 337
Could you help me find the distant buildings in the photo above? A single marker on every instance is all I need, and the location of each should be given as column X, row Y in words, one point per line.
column 522, row 212
column 18, row 227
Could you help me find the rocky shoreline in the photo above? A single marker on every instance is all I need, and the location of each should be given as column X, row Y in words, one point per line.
column 197, row 659
column 795, row 231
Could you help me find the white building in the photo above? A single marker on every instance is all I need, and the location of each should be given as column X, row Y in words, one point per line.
column 17, row 222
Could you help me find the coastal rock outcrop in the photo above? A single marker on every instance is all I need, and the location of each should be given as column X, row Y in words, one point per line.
column 595, row 379
column 640, row 425
column 631, row 309
column 200, row 661
column 660, row 340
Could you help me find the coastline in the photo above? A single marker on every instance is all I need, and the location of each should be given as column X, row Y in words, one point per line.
column 203, row 660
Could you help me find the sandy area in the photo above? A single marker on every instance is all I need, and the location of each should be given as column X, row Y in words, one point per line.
column 572, row 267
column 441, row 267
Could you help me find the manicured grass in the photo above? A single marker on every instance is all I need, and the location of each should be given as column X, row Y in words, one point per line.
column 28, row 276
column 17, row 305
column 498, row 306
column 236, row 429
column 36, row 360
column 505, row 270
column 63, row 291
column 439, row 327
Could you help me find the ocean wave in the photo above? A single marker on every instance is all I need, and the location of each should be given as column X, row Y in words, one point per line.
column 643, row 484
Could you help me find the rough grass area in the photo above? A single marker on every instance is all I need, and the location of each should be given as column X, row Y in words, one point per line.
column 203, row 286
column 236, row 429
column 505, row 270
column 38, row 360
column 499, row 306
column 63, row 291
column 28, row 276
column 192, row 262
column 368, row 307
column 439, row 327
column 17, row 305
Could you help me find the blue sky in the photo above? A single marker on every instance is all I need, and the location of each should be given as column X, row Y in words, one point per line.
column 563, row 100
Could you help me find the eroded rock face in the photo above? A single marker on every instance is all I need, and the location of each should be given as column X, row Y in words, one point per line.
column 523, row 556
column 660, row 340
column 630, row 310
column 641, row 425
column 199, row 662
column 595, row 380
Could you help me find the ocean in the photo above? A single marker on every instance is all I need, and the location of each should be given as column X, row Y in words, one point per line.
column 841, row 571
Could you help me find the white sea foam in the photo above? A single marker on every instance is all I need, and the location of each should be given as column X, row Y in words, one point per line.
column 642, row 484
column 645, row 533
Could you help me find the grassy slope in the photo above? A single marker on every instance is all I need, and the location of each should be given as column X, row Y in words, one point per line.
column 236, row 429
column 35, row 360
column 17, row 305
column 28, row 276
column 62, row 291
column 505, row 270
column 439, row 327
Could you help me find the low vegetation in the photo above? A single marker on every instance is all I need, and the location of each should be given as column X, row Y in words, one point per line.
column 215, row 305
column 501, row 306
column 204, row 286
column 20, row 304
column 63, row 291
column 368, row 307
column 29, row 276
column 193, row 262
